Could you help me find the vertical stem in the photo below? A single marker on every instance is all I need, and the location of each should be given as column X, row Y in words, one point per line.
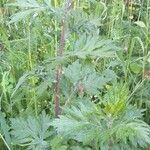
column 81, row 89
column 59, row 71
column 55, row 22
column 109, row 125
column 29, row 49
column 30, row 67
column 147, row 24
column 59, row 67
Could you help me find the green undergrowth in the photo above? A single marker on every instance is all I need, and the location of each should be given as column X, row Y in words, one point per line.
column 93, row 56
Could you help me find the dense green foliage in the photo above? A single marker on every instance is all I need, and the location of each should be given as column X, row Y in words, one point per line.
column 89, row 60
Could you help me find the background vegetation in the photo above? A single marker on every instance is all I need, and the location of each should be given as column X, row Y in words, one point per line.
column 75, row 74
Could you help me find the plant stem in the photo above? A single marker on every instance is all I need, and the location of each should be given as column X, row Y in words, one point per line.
column 59, row 71
column 55, row 22
column 30, row 66
column 6, row 144
column 60, row 52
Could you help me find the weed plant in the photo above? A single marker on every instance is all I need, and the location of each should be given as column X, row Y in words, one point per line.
column 75, row 74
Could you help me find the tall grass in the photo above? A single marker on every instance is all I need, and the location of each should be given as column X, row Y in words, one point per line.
column 32, row 71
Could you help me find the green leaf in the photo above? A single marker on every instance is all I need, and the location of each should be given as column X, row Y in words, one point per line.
column 48, row 3
column 24, row 3
column 140, row 24
column 87, row 123
column 88, row 77
column 109, row 75
column 93, row 82
column 77, row 124
column 136, row 68
column 43, row 87
column 20, row 82
column 93, row 46
column 32, row 5
column 22, row 15
column 4, row 129
column 73, row 71
column 57, row 143
column 32, row 131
